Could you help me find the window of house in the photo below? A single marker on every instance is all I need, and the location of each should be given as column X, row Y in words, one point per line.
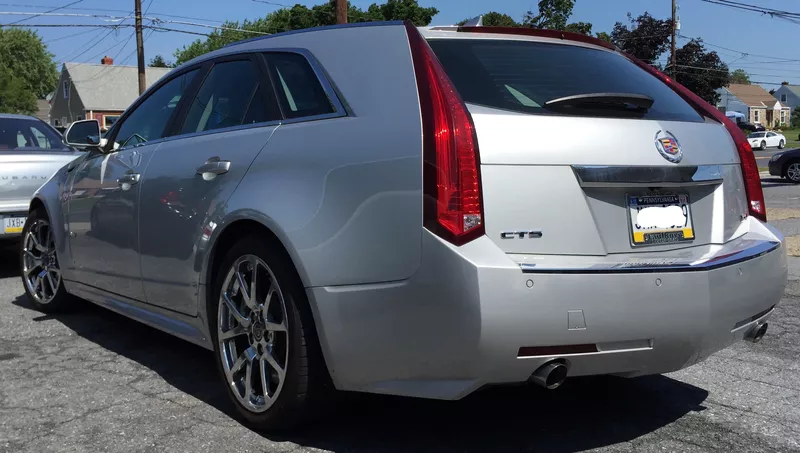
column 57, row 122
column 231, row 95
column 66, row 89
column 756, row 115
column 783, row 116
column 299, row 90
column 80, row 118
column 149, row 119
column 109, row 120
column 783, row 98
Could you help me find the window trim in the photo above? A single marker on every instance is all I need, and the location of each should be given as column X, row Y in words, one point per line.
column 783, row 97
column 328, row 88
column 190, row 92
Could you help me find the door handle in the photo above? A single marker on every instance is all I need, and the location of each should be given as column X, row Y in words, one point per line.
column 214, row 166
column 129, row 178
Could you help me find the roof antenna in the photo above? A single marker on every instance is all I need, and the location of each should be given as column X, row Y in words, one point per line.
column 476, row 21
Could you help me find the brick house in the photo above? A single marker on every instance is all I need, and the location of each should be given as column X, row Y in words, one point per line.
column 97, row 91
column 758, row 106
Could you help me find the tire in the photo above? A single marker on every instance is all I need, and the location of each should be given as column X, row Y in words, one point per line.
column 792, row 172
column 763, row 144
column 781, row 144
column 297, row 398
column 39, row 267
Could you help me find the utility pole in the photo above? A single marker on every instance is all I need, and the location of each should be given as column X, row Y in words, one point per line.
column 673, row 69
column 341, row 11
column 140, row 45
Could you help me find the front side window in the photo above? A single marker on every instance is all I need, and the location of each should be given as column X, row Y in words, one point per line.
column 148, row 121
column 770, row 134
column 756, row 135
column 25, row 134
column 298, row 87
column 231, row 95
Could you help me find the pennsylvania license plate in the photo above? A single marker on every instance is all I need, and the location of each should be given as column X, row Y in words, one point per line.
column 13, row 225
column 660, row 219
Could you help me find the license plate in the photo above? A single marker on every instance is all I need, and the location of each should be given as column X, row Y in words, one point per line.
column 660, row 219
column 13, row 224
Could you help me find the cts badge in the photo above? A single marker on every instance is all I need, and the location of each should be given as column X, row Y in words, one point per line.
column 521, row 234
column 668, row 146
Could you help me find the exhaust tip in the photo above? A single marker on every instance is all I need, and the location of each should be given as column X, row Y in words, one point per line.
column 550, row 375
column 757, row 333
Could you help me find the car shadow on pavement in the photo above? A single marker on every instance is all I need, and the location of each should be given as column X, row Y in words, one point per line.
column 584, row 413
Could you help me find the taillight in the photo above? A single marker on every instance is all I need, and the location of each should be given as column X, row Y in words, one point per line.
column 453, row 205
column 752, row 181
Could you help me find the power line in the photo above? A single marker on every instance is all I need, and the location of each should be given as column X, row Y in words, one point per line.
column 69, row 36
column 50, row 11
column 753, row 8
column 109, row 10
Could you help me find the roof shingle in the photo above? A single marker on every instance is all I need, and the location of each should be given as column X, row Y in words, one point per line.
column 109, row 87
column 752, row 95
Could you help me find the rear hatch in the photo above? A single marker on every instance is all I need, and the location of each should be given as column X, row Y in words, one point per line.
column 584, row 153
column 22, row 172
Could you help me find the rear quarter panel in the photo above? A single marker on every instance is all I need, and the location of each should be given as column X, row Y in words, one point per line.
column 344, row 194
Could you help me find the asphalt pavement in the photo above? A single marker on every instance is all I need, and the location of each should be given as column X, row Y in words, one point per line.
column 92, row 381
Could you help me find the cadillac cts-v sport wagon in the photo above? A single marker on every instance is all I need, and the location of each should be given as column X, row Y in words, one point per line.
column 422, row 212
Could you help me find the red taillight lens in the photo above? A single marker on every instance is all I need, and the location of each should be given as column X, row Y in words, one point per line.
column 752, row 181
column 453, row 205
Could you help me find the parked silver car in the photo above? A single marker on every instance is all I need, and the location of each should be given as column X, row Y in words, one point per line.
column 30, row 152
column 421, row 212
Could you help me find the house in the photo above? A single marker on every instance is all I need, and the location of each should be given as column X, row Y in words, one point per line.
column 97, row 91
column 43, row 110
column 758, row 106
column 788, row 95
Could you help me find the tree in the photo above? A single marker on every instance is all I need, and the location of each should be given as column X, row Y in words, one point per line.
column 15, row 97
column 25, row 57
column 553, row 15
column 495, row 19
column 795, row 117
column 740, row 76
column 299, row 16
column 646, row 37
column 604, row 36
column 159, row 62
column 700, row 71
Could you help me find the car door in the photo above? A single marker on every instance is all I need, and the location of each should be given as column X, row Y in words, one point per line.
column 191, row 176
column 103, row 207
column 772, row 139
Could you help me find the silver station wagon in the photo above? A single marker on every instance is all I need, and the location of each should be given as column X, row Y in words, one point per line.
column 422, row 212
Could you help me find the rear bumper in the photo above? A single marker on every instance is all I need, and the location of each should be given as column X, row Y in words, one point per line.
column 473, row 316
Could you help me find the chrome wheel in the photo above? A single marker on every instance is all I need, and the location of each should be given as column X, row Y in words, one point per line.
column 793, row 171
column 39, row 262
column 253, row 333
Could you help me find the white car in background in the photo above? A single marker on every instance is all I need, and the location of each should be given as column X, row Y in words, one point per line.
column 765, row 139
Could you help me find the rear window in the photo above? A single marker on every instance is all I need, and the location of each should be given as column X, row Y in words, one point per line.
column 522, row 76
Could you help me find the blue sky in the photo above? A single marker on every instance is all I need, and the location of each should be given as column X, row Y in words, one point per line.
column 756, row 42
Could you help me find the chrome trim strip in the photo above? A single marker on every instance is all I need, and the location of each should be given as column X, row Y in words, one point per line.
column 759, row 248
column 619, row 176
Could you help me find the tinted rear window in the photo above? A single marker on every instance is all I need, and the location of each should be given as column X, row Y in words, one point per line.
column 522, row 76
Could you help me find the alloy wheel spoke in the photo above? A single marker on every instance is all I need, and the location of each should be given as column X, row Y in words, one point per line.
column 264, row 378
column 231, row 333
column 240, row 318
column 243, row 290
column 274, row 364
column 51, row 281
column 248, row 381
column 275, row 326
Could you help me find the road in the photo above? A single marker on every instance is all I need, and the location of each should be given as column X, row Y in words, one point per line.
column 94, row 381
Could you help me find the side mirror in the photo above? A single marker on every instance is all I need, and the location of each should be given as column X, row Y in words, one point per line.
column 83, row 134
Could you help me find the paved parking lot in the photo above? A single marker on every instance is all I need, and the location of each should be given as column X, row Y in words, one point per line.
column 95, row 381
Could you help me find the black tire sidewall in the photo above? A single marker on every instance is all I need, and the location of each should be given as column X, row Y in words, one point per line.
column 781, row 144
column 60, row 301
column 286, row 411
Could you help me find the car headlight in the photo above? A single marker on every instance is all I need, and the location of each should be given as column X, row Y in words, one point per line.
column 775, row 157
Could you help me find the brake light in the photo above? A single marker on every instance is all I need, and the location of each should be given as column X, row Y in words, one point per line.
column 752, row 181
column 453, row 204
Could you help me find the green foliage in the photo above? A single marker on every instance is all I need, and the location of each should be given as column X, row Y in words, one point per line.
column 159, row 62
column 701, row 71
column 553, row 15
column 604, row 36
column 646, row 37
column 299, row 17
column 15, row 97
column 740, row 76
column 26, row 58
column 795, row 119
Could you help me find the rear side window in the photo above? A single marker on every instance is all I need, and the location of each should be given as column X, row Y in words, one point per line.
column 522, row 76
column 25, row 134
column 231, row 95
column 298, row 87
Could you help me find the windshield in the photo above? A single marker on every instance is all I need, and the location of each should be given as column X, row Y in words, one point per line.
column 21, row 134
column 756, row 135
column 523, row 76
